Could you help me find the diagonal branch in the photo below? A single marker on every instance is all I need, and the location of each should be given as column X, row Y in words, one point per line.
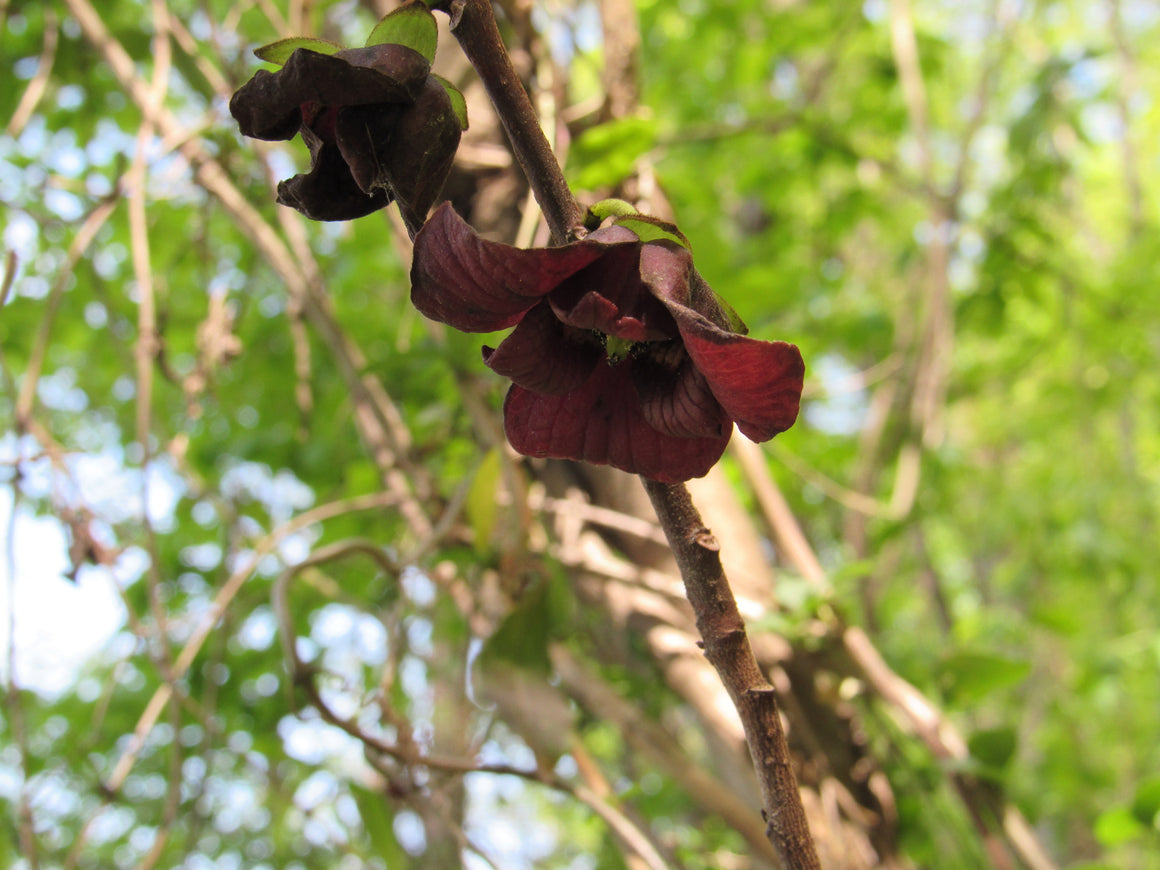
column 727, row 648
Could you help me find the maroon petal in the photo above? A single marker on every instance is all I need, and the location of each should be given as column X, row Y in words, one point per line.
column 543, row 355
column 363, row 135
column 476, row 285
column 667, row 270
column 678, row 401
column 602, row 423
column 328, row 192
column 608, row 295
column 758, row 383
column 420, row 153
column 267, row 106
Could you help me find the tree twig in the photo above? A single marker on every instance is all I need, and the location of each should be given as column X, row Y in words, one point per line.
column 473, row 24
column 727, row 648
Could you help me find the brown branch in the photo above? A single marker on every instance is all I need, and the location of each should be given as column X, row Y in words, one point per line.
column 473, row 24
column 727, row 648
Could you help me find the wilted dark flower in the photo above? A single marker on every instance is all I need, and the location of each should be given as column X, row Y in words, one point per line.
column 621, row 353
column 378, row 125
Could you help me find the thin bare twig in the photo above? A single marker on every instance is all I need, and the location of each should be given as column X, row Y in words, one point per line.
column 226, row 595
column 39, row 83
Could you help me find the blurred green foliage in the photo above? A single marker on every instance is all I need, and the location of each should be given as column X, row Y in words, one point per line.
column 1020, row 591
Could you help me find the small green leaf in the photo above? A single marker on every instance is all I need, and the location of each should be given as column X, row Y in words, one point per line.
column 1117, row 826
column 993, row 748
column 458, row 103
column 651, row 229
column 279, row 52
column 970, row 675
column 481, row 506
column 611, row 207
column 1146, row 803
column 378, row 822
column 411, row 25
column 523, row 636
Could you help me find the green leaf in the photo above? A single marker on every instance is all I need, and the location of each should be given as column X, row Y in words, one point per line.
column 994, row 747
column 651, row 229
column 1146, row 803
column 603, row 156
column 1117, row 826
column 970, row 676
column 607, row 208
column 279, row 52
column 411, row 25
column 458, row 103
column 481, row 506
column 378, row 822
column 522, row 638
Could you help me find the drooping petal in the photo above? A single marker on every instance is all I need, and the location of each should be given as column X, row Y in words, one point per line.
column 267, row 106
column 678, row 401
column 666, row 269
column 420, row 153
column 602, row 423
column 758, row 383
column 328, row 192
column 476, row 285
column 363, row 135
column 608, row 295
column 543, row 355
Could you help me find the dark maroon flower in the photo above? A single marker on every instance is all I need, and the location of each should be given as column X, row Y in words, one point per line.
column 621, row 354
column 378, row 125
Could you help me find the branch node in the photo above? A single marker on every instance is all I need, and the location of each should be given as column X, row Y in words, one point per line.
column 705, row 539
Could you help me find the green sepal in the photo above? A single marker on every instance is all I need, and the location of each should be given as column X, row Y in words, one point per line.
column 458, row 103
column 279, row 52
column 607, row 208
column 736, row 324
column 411, row 25
column 651, row 229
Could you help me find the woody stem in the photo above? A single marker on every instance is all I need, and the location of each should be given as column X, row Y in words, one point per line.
column 473, row 24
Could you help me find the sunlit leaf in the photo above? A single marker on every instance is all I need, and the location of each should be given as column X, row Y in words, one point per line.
column 412, row 25
column 279, row 52
column 458, row 103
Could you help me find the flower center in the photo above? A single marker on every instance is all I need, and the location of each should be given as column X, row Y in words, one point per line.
column 618, row 348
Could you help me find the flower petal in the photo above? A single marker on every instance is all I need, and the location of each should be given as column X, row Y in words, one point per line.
column 678, row 401
column 328, row 192
column 667, row 270
column 363, row 136
column 267, row 106
column 542, row 356
column 608, row 295
column 758, row 383
column 420, row 152
column 602, row 423
column 476, row 285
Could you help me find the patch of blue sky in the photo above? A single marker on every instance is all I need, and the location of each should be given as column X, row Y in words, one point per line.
column 840, row 410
